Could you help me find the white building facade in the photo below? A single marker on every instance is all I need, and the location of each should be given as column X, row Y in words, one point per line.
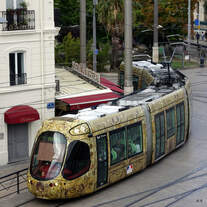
column 27, row 81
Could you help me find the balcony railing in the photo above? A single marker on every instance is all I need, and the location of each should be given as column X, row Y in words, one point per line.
column 18, row 19
column 18, row 79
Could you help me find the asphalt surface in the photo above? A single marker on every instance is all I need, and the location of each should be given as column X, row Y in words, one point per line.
column 180, row 179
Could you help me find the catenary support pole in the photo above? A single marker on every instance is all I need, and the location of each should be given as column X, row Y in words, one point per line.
column 94, row 36
column 189, row 24
column 83, row 33
column 155, row 49
column 128, row 88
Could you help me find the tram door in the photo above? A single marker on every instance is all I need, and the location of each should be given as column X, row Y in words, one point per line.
column 160, row 135
column 102, row 159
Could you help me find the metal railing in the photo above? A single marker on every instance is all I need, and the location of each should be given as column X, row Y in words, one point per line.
column 18, row 79
column 18, row 19
column 13, row 183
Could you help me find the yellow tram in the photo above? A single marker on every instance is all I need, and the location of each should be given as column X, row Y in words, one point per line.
column 78, row 154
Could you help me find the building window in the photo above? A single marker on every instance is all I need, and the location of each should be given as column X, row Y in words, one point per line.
column 170, row 114
column 180, row 115
column 13, row 4
column 16, row 67
column 134, row 139
column 18, row 16
column 118, row 145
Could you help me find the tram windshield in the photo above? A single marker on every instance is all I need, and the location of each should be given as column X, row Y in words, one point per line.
column 48, row 155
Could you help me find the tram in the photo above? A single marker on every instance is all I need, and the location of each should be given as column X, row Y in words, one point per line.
column 77, row 154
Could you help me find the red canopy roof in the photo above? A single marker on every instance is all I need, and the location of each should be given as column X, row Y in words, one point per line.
column 111, row 85
column 21, row 114
column 81, row 102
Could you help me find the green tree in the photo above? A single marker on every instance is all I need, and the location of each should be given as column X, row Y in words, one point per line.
column 111, row 15
column 173, row 14
column 69, row 11
column 69, row 51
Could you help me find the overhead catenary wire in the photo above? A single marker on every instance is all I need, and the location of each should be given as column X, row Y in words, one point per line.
column 33, row 103
column 48, row 83
column 32, row 77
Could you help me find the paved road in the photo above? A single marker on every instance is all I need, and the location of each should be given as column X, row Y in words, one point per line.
column 178, row 180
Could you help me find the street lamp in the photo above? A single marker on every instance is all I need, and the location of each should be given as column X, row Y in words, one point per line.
column 189, row 24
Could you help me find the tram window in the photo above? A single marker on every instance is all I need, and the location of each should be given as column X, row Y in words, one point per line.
column 118, row 145
column 170, row 114
column 48, row 155
column 180, row 115
column 135, row 83
column 77, row 161
column 121, row 79
column 144, row 84
column 160, row 134
column 134, row 139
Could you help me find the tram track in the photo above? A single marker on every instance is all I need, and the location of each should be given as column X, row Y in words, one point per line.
column 34, row 201
column 198, row 173
column 153, row 191
column 26, row 202
column 148, row 193
column 198, row 83
column 138, row 199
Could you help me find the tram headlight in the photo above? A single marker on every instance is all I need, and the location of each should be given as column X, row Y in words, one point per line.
column 80, row 129
column 30, row 181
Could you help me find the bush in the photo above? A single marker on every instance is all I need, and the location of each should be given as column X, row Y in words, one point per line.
column 71, row 48
column 67, row 51
column 103, row 57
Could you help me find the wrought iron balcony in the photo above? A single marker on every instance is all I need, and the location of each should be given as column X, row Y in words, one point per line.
column 18, row 19
column 18, row 79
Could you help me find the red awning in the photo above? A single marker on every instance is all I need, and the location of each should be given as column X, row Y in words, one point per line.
column 111, row 85
column 21, row 114
column 81, row 102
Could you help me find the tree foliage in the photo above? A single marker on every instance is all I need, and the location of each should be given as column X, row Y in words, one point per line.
column 69, row 11
column 111, row 15
column 173, row 14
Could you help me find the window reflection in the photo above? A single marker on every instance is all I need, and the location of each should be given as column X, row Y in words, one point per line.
column 48, row 155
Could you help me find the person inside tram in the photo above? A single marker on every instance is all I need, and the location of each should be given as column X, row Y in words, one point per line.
column 119, row 149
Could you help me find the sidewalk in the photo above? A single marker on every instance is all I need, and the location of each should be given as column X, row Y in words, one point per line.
column 8, row 185
column 16, row 199
column 13, row 167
